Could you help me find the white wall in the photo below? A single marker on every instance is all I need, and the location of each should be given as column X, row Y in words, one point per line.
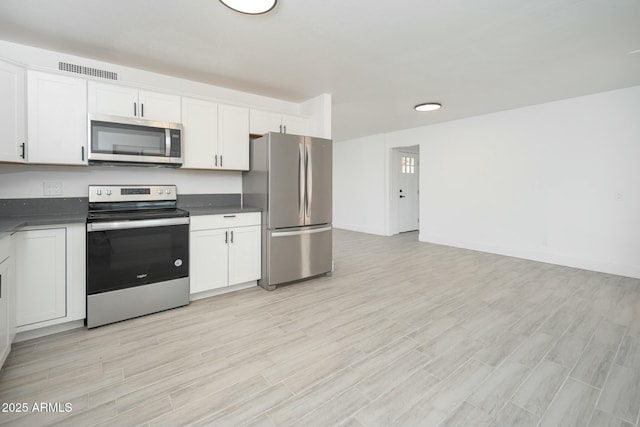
column 26, row 181
column 556, row 182
column 358, row 185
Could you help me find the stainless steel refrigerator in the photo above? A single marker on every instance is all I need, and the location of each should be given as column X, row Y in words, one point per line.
column 290, row 179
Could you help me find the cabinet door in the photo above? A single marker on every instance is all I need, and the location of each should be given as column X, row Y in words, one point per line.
column 12, row 113
column 5, row 336
column 295, row 125
column 159, row 106
column 57, row 119
column 208, row 259
column 40, row 275
column 261, row 122
column 244, row 254
column 112, row 99
column 233, row 137
column 200, row 139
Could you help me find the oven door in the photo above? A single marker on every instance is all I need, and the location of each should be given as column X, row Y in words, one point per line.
column 126, row 254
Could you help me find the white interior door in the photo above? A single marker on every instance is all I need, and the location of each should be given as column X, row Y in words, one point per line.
column 408, row 210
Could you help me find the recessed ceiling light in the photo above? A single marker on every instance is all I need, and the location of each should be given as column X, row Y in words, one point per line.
column 428, row 106
column 250, row 7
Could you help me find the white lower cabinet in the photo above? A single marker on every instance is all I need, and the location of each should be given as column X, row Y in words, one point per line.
column 49, row 275
column 41, row 275
column 6, row 300
column 224, row 250
column 244, row 254
column 209, row 260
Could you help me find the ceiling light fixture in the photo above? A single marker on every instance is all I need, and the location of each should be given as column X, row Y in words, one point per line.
column 250, row 7
column 428, row 106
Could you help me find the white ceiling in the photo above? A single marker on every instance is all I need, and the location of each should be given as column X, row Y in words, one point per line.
column 377, row 58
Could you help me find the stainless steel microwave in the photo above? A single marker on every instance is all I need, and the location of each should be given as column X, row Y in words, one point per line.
column 114, row 139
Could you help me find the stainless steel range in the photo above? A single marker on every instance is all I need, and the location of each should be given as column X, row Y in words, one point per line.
column 137, row 252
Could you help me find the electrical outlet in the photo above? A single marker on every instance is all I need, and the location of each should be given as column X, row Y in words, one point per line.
column 52, row 188
column 618, row 197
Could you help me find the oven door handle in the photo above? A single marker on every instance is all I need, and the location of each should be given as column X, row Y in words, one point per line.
column 142, row 223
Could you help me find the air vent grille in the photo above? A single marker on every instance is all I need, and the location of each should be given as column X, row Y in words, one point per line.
column 95, row 72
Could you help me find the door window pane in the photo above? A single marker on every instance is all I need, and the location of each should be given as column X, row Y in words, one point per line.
column 407, row 164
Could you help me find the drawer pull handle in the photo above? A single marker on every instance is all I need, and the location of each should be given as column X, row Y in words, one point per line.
column 229, row 216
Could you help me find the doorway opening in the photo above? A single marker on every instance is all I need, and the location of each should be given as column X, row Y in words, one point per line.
column 405, row 189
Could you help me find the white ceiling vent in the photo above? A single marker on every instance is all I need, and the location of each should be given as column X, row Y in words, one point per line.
column 95, row 72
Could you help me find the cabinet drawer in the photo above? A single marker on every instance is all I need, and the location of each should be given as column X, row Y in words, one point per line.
column 4, row 247
column 207, row 222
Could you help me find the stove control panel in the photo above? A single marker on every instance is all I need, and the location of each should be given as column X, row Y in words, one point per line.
column 131, row 193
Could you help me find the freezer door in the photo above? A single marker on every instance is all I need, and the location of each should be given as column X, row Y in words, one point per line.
column 318, row 177
column 297, row 254
column 286, row 181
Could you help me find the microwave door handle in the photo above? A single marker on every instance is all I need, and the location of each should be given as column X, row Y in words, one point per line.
column 167, row 142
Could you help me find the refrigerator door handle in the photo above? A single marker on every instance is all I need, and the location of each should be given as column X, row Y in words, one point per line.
column 308, row 170
column 301, row 232
column 301, row 183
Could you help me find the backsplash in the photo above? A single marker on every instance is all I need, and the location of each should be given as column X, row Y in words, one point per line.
column 44, row 206
column 29, row 181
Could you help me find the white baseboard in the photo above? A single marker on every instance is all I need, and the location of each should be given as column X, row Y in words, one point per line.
column 220, row 291
column 632, row 271
column 48, row 330
column 355, row 227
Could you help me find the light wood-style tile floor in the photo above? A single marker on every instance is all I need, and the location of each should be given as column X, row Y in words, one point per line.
column 404, row 334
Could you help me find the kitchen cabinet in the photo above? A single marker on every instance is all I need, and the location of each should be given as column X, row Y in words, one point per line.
column 262, row 122
column 233, row 138
column 12, row 113
column 56, row 119
column 49, row 275
column 7, row 289
column 215, row 136
column 131, row 102
column 200, row 137
column 224, row 250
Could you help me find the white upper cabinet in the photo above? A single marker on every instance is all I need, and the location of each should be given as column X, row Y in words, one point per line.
column 200, row 137
column 159, row 106
column 113, row 100
column 56, row 118
column 215, row 136
column 233, row 138
column 262, row 122
column 130, row 102
column 12, row 113
column 295, row 125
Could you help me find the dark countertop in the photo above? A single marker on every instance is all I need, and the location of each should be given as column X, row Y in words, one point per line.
column 212, row 210
column 19, row 213
column 9, row 224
